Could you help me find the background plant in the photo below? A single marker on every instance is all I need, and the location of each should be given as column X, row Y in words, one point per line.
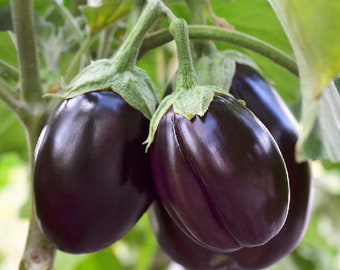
column 65, row 35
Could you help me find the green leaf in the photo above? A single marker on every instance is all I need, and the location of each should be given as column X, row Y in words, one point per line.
column 192, row 102
column 186, row 102
column 163, row 107
column 109, row 12
column 5, row 18
column 12, row 134
column 138, row 90
column 8, row 52
column 142, row 246
column 4, row 3
column 311, row 28
column 94, row 77
column 104, row 259
column 323, row 141
column 8, row 73
column 66, row 261
column 257, row 18
column 6, row 164
column 134, row 85
column 219, row 68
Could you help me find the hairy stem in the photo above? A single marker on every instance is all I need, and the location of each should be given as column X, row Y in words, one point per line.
column 23, row 22
column 38, row 253
column 197, row 12
column 135, row 12
column 233, row 37
column 186, row 78
column 126, row 56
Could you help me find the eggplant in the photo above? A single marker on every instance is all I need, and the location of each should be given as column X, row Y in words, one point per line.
column 92, row 178
column 250, row 86
column 221, row 177
column 179, row 247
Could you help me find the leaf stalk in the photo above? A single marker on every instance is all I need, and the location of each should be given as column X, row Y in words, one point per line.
column 228, row 36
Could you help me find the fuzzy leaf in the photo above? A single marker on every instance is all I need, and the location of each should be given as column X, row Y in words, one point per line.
column 187, row 102
column 193, row 102
column 96, row 76
column 133, row 85
column 163, row 107
column 137, row 89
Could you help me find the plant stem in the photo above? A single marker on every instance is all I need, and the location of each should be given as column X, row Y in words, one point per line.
column 38, row 253
column 8, row 94
column 197, row 12
column 247, row 42
column 11, row 99
column 126, row 56
column 135, row 12
column 105, row 42
column 186, row 78
column 23, row 23
column 63, row 11
column 233, row 37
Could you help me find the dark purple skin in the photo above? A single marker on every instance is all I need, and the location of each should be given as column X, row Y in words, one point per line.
column 222, row 177
column 92, row 178
column 179, row 247
column 266, row 104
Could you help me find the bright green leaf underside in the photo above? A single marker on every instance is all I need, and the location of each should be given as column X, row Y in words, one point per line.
column 313, row 33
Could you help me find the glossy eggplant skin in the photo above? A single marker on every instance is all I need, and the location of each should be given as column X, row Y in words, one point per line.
column 266, row 104
column 92, row 179
column 179, row 247
column 221, row 177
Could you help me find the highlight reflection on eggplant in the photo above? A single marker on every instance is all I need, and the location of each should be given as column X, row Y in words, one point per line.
column 179, row 247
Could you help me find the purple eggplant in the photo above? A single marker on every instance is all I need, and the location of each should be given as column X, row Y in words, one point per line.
column 266, row 104
column 92, row 178
column 179, row 247
column 221, row 177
